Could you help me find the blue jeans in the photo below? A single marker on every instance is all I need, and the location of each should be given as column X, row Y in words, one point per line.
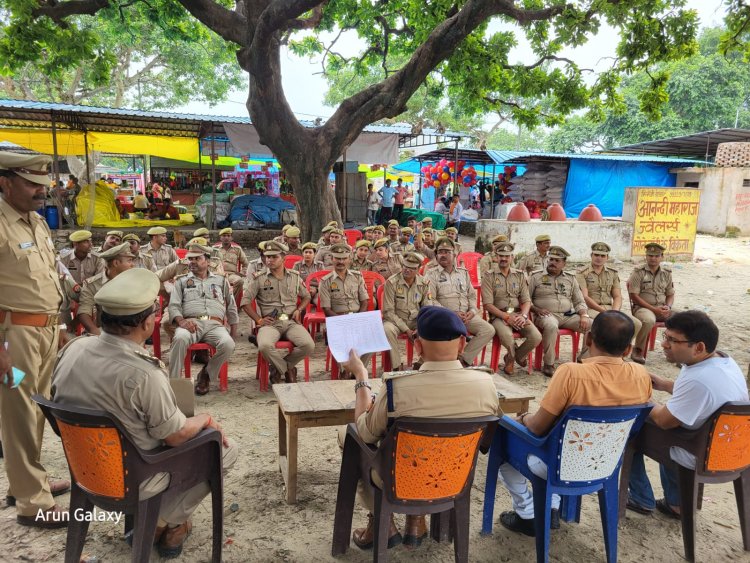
column 372, row 216
column 639, row 487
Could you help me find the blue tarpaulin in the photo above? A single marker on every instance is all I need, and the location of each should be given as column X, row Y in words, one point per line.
column 603, row 183
column 264, row 209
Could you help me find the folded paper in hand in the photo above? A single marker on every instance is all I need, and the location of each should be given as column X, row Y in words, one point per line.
column 362, row 332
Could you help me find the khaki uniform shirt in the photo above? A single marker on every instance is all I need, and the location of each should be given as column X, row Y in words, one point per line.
column 233, row 259
column 398, row 248
column 487, row 263
column 28, row 275
column 533, row 261
column 193, row 297
column 359, row 266
column 255, row 266
column 86, row 303
column 162, row 257
column 81, row 270
column 324, row 256
column 426, row 251
column 386, row 268
column 459, row 249
column 173, row 270
column 116, row 375
column 453, row 291
column 436, row 390
column 505, row 292
column 304, row 270
column 401, row 302
column 342, row 296
column 599, row 286
column 294, row 252
column 653, row 288
column 558, row 294
column 272, row 293
column 143, row 260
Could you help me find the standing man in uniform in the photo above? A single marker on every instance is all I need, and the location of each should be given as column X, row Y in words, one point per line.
column 557, row 302
column 117, row 260
column 281, row 297
column 440, row 388
column 651, row 296
column 505, row 295
column 233, row 260
column 81, row 263
column 382, row 262
column 537, row 260
column 360, row 261
column 200, row 302
column 161, row 253
column 451, row 287
column 600, row 287
column 29, row 317
column 343, row 291
column 142, row 259
column 404, row 295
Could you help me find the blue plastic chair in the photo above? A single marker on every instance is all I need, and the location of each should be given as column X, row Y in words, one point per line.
column 583, row 453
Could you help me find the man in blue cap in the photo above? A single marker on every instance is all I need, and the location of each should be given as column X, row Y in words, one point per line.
column 441, row 388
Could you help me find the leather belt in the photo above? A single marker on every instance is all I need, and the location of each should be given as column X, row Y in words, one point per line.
column 207, row 318
column 30, row 319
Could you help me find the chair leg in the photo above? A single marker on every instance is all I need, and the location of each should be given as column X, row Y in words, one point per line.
column 307, row 369
column 542, row 503
column 742, row 496
column 608, row 509
column 188, row 358
column 345, row 497
column 409, row 353
column 77, row 530
column 382, row 525
column 156, row 339
column 495, row 354
column 490, row 485
column 688, row 501
column 570, row 508
column 144, row 528
column 460, row 525
column 440, row 526
column 699, row 504
column 627, row 463
column 217, row 514
column 224, row 377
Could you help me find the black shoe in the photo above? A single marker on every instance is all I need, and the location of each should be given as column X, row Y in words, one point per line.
column 252, row 340
column 554, row 519
column 515, row 523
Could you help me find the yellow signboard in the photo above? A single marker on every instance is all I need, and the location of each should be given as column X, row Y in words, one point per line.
column 668, row 216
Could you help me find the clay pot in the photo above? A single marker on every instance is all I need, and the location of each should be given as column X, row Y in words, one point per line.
column 590, row 213
column 555, row 212
column 520, row 213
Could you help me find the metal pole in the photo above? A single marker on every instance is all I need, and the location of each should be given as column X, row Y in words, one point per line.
column 484, row 180
column 492, row 193
column 86, row 156
column 213, row 177
column 200, row 166
column 419, row 191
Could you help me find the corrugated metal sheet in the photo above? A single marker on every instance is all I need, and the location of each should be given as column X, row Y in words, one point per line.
column 507, row 157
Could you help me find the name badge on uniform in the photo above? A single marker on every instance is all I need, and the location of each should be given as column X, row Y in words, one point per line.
column 190, row 283
column 334, row 286
column 400, row 290
column 25, row 245
column 443, row 278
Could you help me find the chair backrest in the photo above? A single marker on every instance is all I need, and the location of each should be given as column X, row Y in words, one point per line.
column 315, row 277
column 728, row 447
column 428, row 460
column 371, row 278
column 381, row 290
column 181, row 252
column 290, row 260
column 470, row 261
column 589, row 442
column 352, row 236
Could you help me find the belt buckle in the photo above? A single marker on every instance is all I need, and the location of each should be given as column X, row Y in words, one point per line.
column 202, row 318
column 52, row 320
column 283, row 317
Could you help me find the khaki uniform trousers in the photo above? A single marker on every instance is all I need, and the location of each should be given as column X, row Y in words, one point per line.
column 550, row 327
column 392, row 333
column 365, row 492
column 532, row 337
column 181, row 507
column 636, row 322
column 33, row 351
column 208, row 331
column 237, row 282
column 295, row 333
column 482, row 333
column 648, row 320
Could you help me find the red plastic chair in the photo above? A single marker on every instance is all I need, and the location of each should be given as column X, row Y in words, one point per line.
column 181, row 252
column 290, row 260
column 352, row 236
column 539, row 352
column 424, row 265
column 497, row 349
column 385, row 357
column 223, row 372
column 314, row 318
column 652, row 338
column 470, row 261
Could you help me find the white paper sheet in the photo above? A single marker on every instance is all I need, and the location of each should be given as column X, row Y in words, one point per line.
column 362, row 332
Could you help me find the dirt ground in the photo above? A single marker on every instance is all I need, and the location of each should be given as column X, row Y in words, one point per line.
column 260, row 526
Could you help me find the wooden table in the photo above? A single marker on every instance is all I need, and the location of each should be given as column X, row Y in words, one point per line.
column 331, row 403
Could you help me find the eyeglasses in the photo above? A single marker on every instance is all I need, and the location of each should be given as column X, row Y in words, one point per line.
column 156, row 309
column 673, row 340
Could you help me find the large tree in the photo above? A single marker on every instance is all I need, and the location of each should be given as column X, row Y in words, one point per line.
column 467, row 43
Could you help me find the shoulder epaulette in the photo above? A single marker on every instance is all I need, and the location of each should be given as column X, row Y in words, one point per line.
column 485, row 369
column 399, row 374
column 608, row 267
column 151, row 359
column 540, row 271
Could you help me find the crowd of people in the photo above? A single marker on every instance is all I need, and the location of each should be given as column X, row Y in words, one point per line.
column 119, row 291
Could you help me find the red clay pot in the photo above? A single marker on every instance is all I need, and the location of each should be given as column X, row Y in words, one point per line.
column 519, row 212
column 555, row 212
column 590, row 213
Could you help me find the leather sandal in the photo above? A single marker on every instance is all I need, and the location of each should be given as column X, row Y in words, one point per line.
column 202, row 383
column 415, row 530
column 56, row 486
column 171, row 542
column 637, row 356
column 364, row 538
column 291, row 375
column 509, row 368
column 54, row 517
column 548, row 370
column 273, row 375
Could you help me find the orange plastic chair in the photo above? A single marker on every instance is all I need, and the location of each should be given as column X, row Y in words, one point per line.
column 385, row 357
column 107, row 468
column 574, row 338
column 352, row 236
column 427, row 467
column 223, row 372
column 290, row 260
column 721, row 447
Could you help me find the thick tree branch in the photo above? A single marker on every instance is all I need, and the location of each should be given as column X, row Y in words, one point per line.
column 225, row 23
column 311, row 22
column 61, row 10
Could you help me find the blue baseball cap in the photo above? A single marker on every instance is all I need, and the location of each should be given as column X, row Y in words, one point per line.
column 439, row 324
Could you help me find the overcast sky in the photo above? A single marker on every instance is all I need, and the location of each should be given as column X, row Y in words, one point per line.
column 305, row 89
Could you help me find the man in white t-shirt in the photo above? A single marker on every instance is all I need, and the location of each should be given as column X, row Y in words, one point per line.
column 708, row 379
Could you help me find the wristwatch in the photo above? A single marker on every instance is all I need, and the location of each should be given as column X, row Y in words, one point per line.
column 360, row 384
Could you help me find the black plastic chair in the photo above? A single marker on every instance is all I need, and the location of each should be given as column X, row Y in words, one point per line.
column 427, row 467
column 107, row 468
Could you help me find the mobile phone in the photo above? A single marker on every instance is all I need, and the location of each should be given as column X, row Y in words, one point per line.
column 274, row 313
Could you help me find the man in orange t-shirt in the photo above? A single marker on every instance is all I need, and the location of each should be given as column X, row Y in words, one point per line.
column 602, row 380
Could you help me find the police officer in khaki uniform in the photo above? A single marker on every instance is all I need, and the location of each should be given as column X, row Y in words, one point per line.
column 161, row 253
column 202, row 232
column 392, row 231
column 452, row 233
column 361, row 261
column 556, row 302
column 308, row 265
column 112, row 239
column 600, row 287
column 292, row 241
column 81, row 263
column 200, row 303
column 440, row 388
column 651, row 296
column 450, row 285
column 369, row 233
column 117, row 260
column 403, row 246
column 325, row 233
column 343, row 291
column 505, row 296
column 29, row 316
column 281, row 298
column 382, row 262
column 142, row 259
column 488, row 261
column 259, row 264
column 132, row 386
column 324, row 255
column 282, row 237
column 233, row 260
column 537, row 260
column 423, row 243
column 404, row 295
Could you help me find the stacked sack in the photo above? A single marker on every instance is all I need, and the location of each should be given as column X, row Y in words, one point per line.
column 543, row 180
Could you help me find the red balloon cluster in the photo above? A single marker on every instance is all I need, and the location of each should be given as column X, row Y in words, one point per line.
column 442, row 171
